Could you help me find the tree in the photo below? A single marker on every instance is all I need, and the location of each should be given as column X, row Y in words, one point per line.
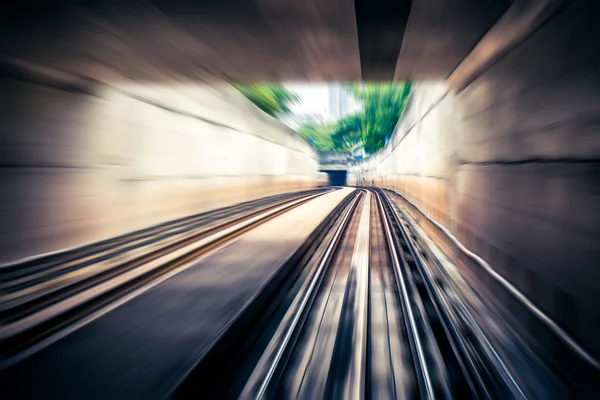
column 347, row 132
column 273, row 98
column 383, row 104
column 320, row 135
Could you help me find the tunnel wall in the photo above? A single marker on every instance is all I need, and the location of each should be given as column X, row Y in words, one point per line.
column 510, row 166
column 88, row 161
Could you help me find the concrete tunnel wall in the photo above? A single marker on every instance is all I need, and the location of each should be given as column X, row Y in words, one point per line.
column 82, row 164
column 510, row 166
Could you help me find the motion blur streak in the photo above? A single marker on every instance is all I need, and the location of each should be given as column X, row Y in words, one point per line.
column 163, row 232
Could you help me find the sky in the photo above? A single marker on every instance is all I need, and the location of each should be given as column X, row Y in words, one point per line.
column 314, row 97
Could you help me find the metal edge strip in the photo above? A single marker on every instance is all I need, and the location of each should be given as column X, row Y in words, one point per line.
column 545, row 319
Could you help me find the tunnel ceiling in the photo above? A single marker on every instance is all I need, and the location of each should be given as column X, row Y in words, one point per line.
column 292, row 40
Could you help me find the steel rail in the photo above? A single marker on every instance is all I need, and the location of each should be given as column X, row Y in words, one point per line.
column 516, row 293
column 12, row 303
column 51, row 259
column 414, row 335
column 458, row 342
column 355, row 387
column 103, row 294
column 256, row 387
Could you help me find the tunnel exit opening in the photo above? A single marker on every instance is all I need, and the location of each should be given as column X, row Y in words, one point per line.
column 337, row 178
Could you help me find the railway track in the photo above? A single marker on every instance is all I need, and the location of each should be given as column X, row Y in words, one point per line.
column 455, row 355
column 45, row 298
column 366, row 318
column 361, row 310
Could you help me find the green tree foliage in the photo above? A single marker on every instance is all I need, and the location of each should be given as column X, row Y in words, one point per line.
column 273, row 98
column 320, row 135
column 347, row 132
column 383, row 104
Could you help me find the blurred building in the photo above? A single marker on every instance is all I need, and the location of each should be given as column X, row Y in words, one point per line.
column 296, row 121
column 341, row 102
column 320, row 103
column 358, row 151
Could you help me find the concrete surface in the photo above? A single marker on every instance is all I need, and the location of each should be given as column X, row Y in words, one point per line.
column 79, row 166
column 335, row 164
column 101, row 107
column 510, row 165
column 143, row 348
column 244, row 40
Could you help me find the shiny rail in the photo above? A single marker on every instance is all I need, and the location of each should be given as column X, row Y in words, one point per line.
column 551, row 325
column 32, row 324
column 322, row 346
column 423, row 375
column 284, row 338
column 461, row 343
column 27, row 273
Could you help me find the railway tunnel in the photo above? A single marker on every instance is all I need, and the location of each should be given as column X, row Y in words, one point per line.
column 335, row 165
column 118, row 117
